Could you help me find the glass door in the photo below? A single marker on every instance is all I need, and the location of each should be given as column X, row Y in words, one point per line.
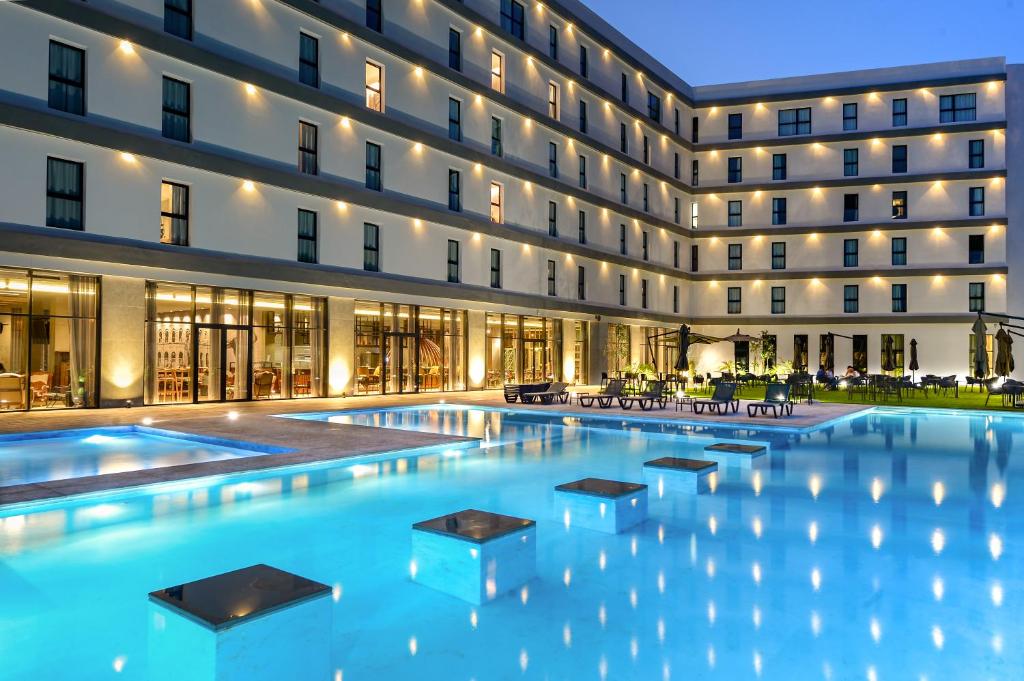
column 222, row 363
column 400, row 363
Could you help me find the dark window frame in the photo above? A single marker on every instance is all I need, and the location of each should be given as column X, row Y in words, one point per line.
column 55, row 195
column 778, row 300
column 171, row 114
column 800, row 125
column 309, row 156
column 309, row 69
column 851, row 252
column 171, row 215
column 495, row 268
column 371, row 247
column 778, row 255
column 849, row 116
column 178, row 20
column 60, row 88
column 735, row 126
column 851, row 298
column 454, row 269
column 308, row 246
column 374, row 164
column 734, row 300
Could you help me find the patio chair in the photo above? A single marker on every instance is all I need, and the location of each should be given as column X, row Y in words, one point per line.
column 603, row 398
column 654, row 394
column 555, row 391
column 947, row 383
column 1010, row 391
column 776, row 398
column 514, row 391
column 720, row 401
column 908, row 386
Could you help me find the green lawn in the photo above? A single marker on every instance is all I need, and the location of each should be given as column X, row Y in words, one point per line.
column 969, row 399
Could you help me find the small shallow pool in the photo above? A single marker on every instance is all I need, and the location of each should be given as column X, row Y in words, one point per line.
column 65, row 454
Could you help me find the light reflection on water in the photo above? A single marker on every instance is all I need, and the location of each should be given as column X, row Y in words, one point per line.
column 837, row 557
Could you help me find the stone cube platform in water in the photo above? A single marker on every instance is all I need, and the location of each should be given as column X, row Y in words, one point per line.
column 603, row 505
column 673, row 474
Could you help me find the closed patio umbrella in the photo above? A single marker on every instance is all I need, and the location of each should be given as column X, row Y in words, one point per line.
column 888, row 361
column 1004, row 353
column 914, row 366
column 980, row 349
column 738, row 338
column 682, row 363
column 829, row 356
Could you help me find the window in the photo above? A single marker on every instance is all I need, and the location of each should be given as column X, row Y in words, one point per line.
column 735, row 169
column 454, row 190
column 675, row 164
column 374, row 86
column 779, row 211
column 309, row 60
column 676, row 217
column 174, row 214
column 497, row 71
column 374, row 15
column 778, row 300
column 899, row 112
column 622, row 289
column 177, row 110
column 581, row 283
column 513, row 18
column 307, row 149
column 178, row 18
column 735, row 126
column 647, row 150
column 307, row 236
column 584, row 63
column 552, row 284
column 850, row 116
column 495, row 268
column 583, row 172
column 453, row 261
column 735, row 213
column 694, row 210
column 778, row 255
column 454, row 119
column 644, row 252
column 553, row 99
column 553, row 42
column 976, row 297
column 851, row 207
column 899, row 250
column 794, row 122
column 675, row 254
column 65, row 194
column 623, row 139
column 899, row 205
column 67, row 78
column 957, row 108
column 643, row 293
column 778, row 166
column 694, row 257
column 976, row 154
column 976, row 249
column 675, row 124
column 653, row 107
column 851, row 162
column 623, row 240
column 371, row 247
column 694, row 173
column 851, row 252
column 583, row 117
column 373, row 161
column 976, row 201
column 646, row 198
column 497, row 203
column 675, row 299
column 899, row 158
column 735, row 256
column 496, row 146
column 623, row 189
column 624, row 88
column 552, row 218
column 694, row 129
column 851, row 298
column 582, row 227
column 454, row 49
column 899, row 297
column 734, row 300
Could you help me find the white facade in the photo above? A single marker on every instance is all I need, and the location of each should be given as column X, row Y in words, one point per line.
column 240, row 165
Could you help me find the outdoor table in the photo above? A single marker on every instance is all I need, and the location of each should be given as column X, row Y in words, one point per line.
column 682, row 400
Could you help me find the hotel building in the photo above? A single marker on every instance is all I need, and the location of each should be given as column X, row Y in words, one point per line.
column 206, row 200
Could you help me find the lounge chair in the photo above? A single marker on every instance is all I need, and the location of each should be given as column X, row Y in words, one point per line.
column 603, row 398
column 776, row 398
column 654, row 394
column 720, row 401
column 550, row 394
column 514, row 391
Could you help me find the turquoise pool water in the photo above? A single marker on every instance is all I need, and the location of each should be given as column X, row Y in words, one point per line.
column 886, row 546
column 65, row 454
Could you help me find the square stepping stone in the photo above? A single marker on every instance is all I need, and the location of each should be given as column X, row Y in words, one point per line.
column 735, row 454
column 604, row 505
column 674, row 474
column 474, row 555
column 258, row 623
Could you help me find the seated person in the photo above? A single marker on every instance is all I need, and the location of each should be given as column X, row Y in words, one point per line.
column 851, row 373
column 822, row 375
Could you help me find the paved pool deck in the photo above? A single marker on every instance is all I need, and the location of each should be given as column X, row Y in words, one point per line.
column 316, row 441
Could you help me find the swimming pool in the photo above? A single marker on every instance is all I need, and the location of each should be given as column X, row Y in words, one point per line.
column 64, row 454
column 882, row 547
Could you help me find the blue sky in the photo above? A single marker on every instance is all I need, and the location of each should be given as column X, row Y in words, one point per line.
column 754, row 39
